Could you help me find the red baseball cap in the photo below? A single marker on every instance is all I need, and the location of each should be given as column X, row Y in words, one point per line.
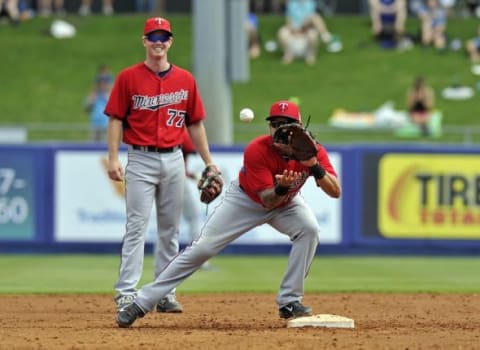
column 157, row 23
column 285, row 109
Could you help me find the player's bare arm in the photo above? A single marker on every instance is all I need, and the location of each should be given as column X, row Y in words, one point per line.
column 326, row 181
column 330, row 185
column 272, row 197
column 114, row 168
column 199, row 138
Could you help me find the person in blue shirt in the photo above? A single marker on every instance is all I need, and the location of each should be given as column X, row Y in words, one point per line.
column 300, row 35
column 433, row 21
column 95, row 104
column 253, row 35
column 388, row 21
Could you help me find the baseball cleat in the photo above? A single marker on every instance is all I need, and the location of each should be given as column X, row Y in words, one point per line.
column 123, row 301
column 170, row 305
column 128, row 315
column 294, row 309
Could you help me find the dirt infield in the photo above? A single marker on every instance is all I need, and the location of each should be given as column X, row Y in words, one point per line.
column 243, row 321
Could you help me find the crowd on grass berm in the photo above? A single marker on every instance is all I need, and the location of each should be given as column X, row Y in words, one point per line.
column 305, row 33
column 20, row 10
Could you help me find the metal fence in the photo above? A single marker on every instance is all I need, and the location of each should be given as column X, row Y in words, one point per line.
column 80, row 132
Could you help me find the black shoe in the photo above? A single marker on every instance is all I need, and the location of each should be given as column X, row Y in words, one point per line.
column 170, row 305
column 128, row 315
column 124, row 300
column 295, row 309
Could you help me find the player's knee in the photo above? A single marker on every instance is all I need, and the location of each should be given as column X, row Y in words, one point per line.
column 312, row 234
column 309, row 232
column 134, row 234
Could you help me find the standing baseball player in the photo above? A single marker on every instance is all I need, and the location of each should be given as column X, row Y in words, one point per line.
column 266, row 191
column 150, row 105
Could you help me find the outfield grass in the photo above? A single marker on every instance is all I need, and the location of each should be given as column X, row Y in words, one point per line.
column 50, row 274
column 46, row 80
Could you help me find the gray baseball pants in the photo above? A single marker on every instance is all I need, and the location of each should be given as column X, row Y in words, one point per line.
column 234, row 215
column 150, row 178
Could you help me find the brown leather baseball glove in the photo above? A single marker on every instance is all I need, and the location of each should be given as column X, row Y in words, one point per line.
column 210, row 184
column 295, row 141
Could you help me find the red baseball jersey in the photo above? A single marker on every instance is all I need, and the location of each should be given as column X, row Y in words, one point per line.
column 261, row 162
column 154, row 109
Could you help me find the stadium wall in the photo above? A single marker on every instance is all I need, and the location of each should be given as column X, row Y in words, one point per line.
column 418, row 199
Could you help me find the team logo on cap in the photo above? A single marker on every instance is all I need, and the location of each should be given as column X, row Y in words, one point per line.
column 283, row 106
column 159, row 20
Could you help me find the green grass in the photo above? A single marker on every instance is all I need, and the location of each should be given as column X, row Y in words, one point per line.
column 50, row 274
column 45, row 80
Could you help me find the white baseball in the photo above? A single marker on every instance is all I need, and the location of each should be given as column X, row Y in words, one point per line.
column 246, row 115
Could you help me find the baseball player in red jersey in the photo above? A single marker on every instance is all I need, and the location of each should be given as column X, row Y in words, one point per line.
column 150, row 105
column 267, row 191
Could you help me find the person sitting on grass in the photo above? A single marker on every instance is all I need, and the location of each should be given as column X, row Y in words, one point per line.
column 300, row 35
column 473, row 48
column 433, row 21
column 420, row 102
column 388, row 21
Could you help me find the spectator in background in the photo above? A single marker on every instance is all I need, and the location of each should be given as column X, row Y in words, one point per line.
column 473, row 7
column 86, row 7
column 420, row 103
column 25, row 10
column 145, row 6
column 95, row 104
column 275, row 6
column 449, row 6
column 388, row 21
column 45, row 8
column 254, row 48
column 433, row 22
column 9, row 9
column 300, row 35
column 473, row 48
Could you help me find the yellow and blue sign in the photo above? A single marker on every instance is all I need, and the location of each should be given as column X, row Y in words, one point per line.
column 429, row 196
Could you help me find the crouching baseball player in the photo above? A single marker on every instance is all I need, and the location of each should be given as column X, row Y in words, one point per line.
column 275, row 167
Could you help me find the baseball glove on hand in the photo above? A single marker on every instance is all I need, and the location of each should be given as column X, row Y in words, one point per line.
column 295, row 141
column 210, row 184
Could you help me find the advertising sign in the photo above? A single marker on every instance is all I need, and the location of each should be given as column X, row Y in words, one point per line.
column 90, row 208
column 17, row 214
column 429, row 195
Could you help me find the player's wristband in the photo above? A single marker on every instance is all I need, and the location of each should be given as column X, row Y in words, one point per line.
column 317, row 171
column 281, row 190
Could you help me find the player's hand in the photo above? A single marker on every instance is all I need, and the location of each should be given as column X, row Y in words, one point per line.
column 115, row 170
column 287, row 178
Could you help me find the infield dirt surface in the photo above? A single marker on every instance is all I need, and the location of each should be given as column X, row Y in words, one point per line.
column 243, row 321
